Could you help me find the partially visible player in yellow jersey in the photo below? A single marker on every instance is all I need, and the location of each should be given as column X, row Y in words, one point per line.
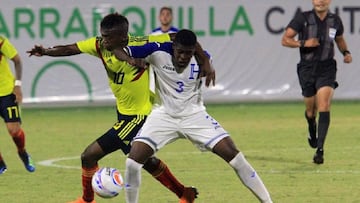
column 130, row 86
column 10, row 98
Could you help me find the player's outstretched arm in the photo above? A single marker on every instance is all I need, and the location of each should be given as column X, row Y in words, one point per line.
column 60, row 50
column 205, row 67
column 121, row 55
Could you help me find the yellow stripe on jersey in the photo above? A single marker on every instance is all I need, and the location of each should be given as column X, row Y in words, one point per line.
column 130, row 126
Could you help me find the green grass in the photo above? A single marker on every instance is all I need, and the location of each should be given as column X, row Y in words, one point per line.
column 272, row 136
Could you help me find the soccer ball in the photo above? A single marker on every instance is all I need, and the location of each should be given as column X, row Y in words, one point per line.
column 107, row 182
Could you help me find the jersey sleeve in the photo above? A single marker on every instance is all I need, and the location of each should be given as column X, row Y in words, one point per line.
column 340, row 30
column 148, row 49
column 298, row 22
column 88, row 46
column 159, row 38
column 7, row 49
column 144, row 50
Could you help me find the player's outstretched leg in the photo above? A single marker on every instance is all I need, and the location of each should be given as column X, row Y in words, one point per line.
column 227, row 150
column 250, row 178
column 161, row 172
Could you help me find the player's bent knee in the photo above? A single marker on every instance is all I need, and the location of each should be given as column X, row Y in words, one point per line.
column 140, row 152
column 152, row 164
column 226, row 149
column 91, row 155
column 14, row 131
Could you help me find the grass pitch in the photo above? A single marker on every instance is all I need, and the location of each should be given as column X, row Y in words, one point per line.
column 272, row 137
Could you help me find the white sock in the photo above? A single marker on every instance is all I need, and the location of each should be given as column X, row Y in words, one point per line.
column 132, row 180
column 248, row 176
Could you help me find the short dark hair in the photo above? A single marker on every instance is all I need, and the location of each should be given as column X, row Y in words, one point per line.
column 166, row 8
column 185, row 37
column 114, row 20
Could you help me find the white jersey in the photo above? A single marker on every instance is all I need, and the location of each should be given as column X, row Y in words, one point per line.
column 178, row 94
column 157, row 31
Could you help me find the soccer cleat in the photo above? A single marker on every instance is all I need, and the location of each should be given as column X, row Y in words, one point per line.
column 81, row 200
column 312, row 141
column 319, row 156
column 189, row 195
column 28, row 162
column 2, row 169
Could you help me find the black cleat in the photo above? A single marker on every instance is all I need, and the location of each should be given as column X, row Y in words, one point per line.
column 319, row 156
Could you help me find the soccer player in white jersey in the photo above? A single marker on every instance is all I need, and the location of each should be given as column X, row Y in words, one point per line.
column 179, row 112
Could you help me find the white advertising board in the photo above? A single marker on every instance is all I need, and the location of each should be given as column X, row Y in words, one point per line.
column 243, row 37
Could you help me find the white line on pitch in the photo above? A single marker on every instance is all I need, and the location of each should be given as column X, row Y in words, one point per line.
column 52, row 162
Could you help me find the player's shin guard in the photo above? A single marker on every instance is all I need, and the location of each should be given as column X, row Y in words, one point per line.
column 133, row 180
column 249, row 177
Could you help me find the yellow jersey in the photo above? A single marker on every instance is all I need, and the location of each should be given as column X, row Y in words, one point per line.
column 130, row 85
column 7, row 52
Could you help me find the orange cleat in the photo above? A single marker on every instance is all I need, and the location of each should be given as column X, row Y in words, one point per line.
column 189, row 195
column 81, row 200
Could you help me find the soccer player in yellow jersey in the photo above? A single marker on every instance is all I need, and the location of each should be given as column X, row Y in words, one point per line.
column 130, row 85
column 10, row 98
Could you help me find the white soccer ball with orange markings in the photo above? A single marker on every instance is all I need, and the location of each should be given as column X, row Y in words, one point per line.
column 107, row 182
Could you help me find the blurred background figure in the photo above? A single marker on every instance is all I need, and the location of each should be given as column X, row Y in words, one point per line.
column 10, row 98
column 165, row 18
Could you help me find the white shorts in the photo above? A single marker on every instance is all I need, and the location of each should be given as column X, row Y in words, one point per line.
column 161, row 129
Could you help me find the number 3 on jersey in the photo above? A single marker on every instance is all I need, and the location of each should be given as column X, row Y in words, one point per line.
column 180, row 86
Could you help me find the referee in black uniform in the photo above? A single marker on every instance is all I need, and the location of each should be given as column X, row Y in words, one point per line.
column 316, row 31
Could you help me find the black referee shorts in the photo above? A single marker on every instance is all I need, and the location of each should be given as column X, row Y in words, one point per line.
column 314, row 75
